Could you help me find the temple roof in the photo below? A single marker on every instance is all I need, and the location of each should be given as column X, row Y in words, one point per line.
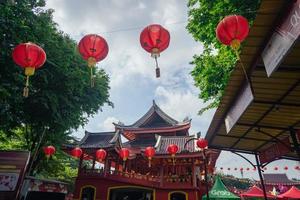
column 275, row 179
column 154, row 117
column 97, row 140
column 164, row 141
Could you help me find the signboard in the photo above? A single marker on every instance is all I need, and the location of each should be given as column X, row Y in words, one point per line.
column 13, row 165
column 282, row 39
column 239, row 107
column 275, row 151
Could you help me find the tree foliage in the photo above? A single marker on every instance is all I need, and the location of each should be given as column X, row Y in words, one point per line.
column 60, row 97
column 213, row 67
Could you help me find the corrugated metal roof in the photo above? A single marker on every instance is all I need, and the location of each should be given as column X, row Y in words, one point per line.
column 165, row 141
column 276, row 99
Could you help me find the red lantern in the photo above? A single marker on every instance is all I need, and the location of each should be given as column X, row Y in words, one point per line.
column 286, row 168
column 202, row 143
column 149, row 152
column 235, row 169
column 49, row 151
column 93, row 48
column 173, row 149
column 76, row 152
column 275, row 168
column 155, row 39
column 221, row 168
column 248, row 169
column 232, row 30
column 101, row 154
column 124, row 154
column 228, row 169
column 254, row 169
column 31, row 57
column 297, row 168
column 241, row 169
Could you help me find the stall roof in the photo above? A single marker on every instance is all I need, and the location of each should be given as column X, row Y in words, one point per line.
column 276, row 105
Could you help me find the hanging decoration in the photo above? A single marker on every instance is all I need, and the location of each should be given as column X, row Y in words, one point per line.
column 231, row 31
column 101, row 155
column 275, row 168
column 93, row 48
column 155, row 39
column 286, row 168
column 124, row 154
column 202, row 143
column 76, row 152
column 149, row 153
column 49, row 151
column 30, row 57
column 173, row 149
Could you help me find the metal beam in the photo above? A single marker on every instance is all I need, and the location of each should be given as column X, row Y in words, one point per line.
column 260, row 176
column 277, row 103
column 246, row 138
column 295, row 142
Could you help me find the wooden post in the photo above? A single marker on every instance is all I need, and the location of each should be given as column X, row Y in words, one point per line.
column 194, row 180
column 161, row 173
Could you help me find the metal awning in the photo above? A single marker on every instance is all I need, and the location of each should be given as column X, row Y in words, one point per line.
column 275, row 110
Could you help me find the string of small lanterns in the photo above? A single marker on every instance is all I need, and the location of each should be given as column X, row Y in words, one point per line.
column 276, row 168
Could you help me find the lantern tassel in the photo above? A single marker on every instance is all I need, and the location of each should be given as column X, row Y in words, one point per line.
column 157, row 70
column 92, row 78
column 149, row 163
column 244, row 70
column 26, row 88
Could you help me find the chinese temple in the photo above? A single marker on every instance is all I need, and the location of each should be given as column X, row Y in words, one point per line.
column 164, row 177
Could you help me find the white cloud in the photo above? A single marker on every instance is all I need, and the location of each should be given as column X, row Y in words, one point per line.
column 107, row 124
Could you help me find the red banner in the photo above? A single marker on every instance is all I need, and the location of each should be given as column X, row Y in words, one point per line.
column 275, row 151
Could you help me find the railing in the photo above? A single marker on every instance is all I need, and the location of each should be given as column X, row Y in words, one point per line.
column 168, row 181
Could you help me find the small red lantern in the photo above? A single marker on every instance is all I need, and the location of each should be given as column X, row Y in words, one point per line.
column 254, row 169
column 49, row 151
column 101, row 155
column 155, row 39
column 275, row 168
column 221, row 168
column 248, row 169
column 76, row 152
column 235, row 169
column 232, row 30
column 286, row 168
column 173, row 149
column 241, row 169
column 149, row 152
column 124, row 154
column 297, row 168
column 202, row 143
column 228, row 169
column 31, row 57
column 93, row 48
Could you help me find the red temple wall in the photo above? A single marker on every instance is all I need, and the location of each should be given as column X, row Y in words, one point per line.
column 102, row 186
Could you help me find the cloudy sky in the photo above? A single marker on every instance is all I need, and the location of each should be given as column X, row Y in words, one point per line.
column 132, row 70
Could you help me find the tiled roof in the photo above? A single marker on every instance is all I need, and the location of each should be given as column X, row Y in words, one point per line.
column 154, row 110
column 278, row 179
column 96, row 140
column 164, row 141
column 140, row 143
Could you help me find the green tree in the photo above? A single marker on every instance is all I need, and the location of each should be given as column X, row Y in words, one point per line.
column 60, row 97
column 213, row 67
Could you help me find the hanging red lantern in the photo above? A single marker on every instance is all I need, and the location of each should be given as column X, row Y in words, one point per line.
column 228, row 168
column 49, row 151
column 248, row 169
column 173, row 149
column 241, row 169
column 232, row 30
column 254, row 169
column 235, row 169
column 286, row 168
column 275, row 168
column 101, row 155
column 124, row 154
column 30, row 57
column 202, row 143
column 297, row 168
column 93, row 48
column 149, row 152
column 155, row 39
column 76, row 152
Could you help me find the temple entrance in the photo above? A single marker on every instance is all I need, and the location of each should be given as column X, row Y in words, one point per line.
column 130, row 193
column 178, row 196
column 88, row 193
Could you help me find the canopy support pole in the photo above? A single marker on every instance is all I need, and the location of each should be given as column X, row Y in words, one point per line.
column 205, row 171
column 295, row 142
column 260, row 176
